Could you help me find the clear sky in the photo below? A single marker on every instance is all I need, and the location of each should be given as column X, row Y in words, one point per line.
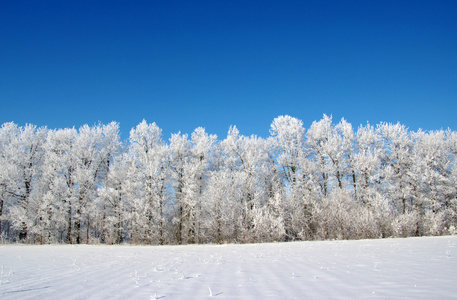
column 184, row 64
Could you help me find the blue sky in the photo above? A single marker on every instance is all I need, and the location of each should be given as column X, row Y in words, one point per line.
column 184, row 64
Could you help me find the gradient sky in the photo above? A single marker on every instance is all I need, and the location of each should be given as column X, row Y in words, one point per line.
column 184, row 64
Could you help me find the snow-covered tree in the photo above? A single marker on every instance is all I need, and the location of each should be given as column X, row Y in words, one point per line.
column 180, row 154
column 396, row 160
column 58, row 176
column 289, row 136
column 195, row 182
column 250, row 160
column 24, row 156
column 149, row 158
column 82, row 186
column 431, row 177
column 318, row 138
column 115, row 200
column 8, row 132
column 367, row 162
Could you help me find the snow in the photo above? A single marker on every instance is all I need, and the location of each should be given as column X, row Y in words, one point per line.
column 420, row 268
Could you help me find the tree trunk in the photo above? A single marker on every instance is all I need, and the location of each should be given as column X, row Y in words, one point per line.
column 78, row 225
column 1, row 213
column 23, row 232
column 69, row 228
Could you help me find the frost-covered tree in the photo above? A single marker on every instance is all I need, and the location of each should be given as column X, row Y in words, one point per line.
column 8, row 132
column 24, row 159
column 289, row 136
column 21, row 165
column 58, row 176
column 346, row 145
column 396, row 160
column 180, row 155
column 149, row 160
column 220, row 196
column 82, row 186
column 366, row 162
column 318, row 136
column 115, row 199
column 195, row 182
column 89, row 166
column 256, row 178
column 236, row 148
column 331, row 147
column 326, row 161
column 110, row 149
column 431, row 173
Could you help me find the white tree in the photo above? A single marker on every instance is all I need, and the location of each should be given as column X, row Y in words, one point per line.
column 8, row 132
column 331, row 147
column 318, row 136
column 328, row 182
column 58, row 176
column 452, row 198
column 250, row 160
column 289, row 136
column 431, row 180
column 194, row 182
column 110, row 149
column 150, row 160
column 396, row 159
column 367, row 161
column 24, row 157
column 115, row 200
column 346, row 144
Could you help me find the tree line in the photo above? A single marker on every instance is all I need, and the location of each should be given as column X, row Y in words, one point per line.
column 325, row 182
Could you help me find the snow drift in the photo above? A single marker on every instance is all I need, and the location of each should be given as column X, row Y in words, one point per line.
column 419, row 268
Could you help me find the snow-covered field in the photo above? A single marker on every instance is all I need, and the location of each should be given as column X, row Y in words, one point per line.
column 410, row 268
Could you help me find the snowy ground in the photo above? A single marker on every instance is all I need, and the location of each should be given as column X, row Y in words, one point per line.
column 423, row 268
